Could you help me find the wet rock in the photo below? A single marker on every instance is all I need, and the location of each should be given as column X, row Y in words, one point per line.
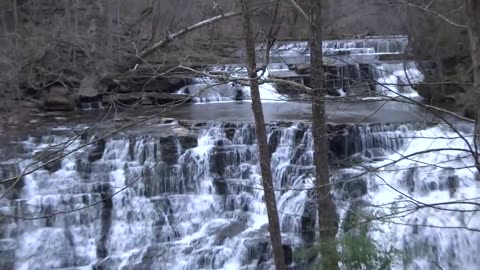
column 167, row 121
column 374, row 154
column 309, row 217
column 282, row 124
column 432, row 186
column 97, row 153
column 258, row 248
column 230, row 133
column 169, row 149
column 199, row 125
column 410, row 179
column 218, row 162
column 87, row 89
column 230, row 125
column 220, row 185
column 230, row 231
column 288, row 253
column 188, row 142
column 299, row 133
column 58, row 99
column 354, row 188
column 274, row 140
column 7, row 253
column 453, row 183
column 51, row 159
column 106, row 223
column 239, row 95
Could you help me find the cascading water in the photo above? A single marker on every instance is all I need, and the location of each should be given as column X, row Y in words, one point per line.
column 194, row 200
column 426, row 203
column 379, row 45
column 396, row 78
column 205, row 90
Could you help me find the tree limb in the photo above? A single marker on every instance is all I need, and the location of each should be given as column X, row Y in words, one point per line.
column 441, row 16
column 184, row 31
column 300, row 9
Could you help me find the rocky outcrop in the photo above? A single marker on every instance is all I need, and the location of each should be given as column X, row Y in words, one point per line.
column 58, row 98
column 442, row 54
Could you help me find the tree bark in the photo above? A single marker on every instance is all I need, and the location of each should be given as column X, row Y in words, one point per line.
column 473, row 18
column 473, row 15
column 270, row 200
column 327, row 214
column 108, row 11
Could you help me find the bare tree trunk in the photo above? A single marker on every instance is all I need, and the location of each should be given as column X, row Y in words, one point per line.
column 118, row 32
column 67, row 14
column 75, row 31
column 473, row 15
column 270, row 201
column 327, row 214
column 108, row 11
column 16, row 54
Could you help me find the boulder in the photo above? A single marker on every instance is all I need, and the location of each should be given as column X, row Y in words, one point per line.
column 88, row 89
column 231, row 230
column 53, row 156
column 309, row 218
column 58, row 99
column 169, row 150
column 97, row 153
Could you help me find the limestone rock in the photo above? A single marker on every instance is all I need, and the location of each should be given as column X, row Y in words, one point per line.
column 58, row 99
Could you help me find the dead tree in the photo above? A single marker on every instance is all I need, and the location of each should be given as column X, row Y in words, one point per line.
column 270, row 201
column 327, row 214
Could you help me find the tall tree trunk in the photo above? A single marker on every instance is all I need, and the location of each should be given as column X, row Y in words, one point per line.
column 16, row 52
column 118, row 32
column 75, row 30
column 473, row 18
column 327, row 214
column 108, row 15
column 473, row 15
column 270, row 201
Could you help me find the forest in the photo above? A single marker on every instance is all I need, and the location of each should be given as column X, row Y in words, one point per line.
column 239, row 134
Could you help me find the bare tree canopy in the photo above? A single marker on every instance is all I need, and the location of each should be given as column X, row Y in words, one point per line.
column 224, row 134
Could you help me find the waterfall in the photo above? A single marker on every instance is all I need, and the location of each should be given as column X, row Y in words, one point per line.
column 395, row 78
column 429, row 238
column 195, row 201
column 207, row 90
column 367, row 45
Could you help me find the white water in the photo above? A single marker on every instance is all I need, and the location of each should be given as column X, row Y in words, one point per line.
column 268, row 91
column 430, row 238
column 395, row 79
column 206, row 90
column 393, row 44
column 175, row 216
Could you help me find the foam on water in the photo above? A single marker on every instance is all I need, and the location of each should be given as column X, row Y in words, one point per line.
column 184, row 204
column 427, row 237
column 395, row 78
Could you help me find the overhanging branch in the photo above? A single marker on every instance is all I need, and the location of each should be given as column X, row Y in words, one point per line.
column 184, row 31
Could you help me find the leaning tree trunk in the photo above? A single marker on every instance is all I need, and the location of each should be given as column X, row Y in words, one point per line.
column 327, row 214
column 473, row 17
column 270, row 201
